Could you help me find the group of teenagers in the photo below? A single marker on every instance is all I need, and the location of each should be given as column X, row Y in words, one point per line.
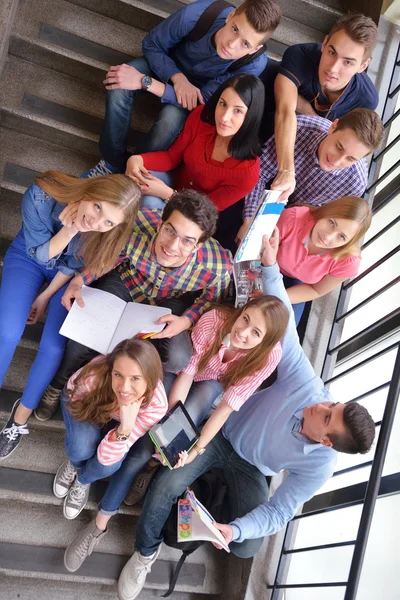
column 159, row 227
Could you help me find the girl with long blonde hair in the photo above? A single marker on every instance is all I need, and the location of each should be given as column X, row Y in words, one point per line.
column 234, row 351
column 67, row 223
column 319, row 247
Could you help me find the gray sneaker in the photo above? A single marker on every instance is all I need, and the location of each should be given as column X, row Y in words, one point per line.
column 48, row 404
column 75, row 500
column 133, row 575
column 63, row 480
column 140, row 486
column 82, row 546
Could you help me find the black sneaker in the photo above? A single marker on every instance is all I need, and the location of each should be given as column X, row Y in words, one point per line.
column 11, row 434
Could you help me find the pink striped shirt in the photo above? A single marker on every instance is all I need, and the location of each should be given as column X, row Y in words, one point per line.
column 110, row 452
column 203, row 335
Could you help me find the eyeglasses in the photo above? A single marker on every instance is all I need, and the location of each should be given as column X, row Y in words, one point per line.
column 170, row 234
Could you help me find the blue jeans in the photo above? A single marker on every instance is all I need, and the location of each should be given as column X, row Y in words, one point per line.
column 21, row 281
column 117, row 122
column 81, row 443
column 246, row 489
column 200, row 398
column 297, row 308
column 154, row 201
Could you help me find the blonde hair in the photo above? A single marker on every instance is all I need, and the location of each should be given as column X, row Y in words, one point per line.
column 99, row 405
column 351, row 208
column 276, row 319
column 98, row 251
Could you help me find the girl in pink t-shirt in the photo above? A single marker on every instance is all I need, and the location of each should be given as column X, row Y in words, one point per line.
column 319, row 247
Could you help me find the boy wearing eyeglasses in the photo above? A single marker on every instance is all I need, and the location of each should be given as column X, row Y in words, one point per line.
column 170, row 260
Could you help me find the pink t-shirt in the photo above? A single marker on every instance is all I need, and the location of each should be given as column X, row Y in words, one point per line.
column 295, row 225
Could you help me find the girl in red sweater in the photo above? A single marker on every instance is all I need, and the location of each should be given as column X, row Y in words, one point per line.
column 216, row 154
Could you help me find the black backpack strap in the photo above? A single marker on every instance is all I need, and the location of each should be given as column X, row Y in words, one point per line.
column 245, row 60
column 176, row 574
column 206, row 20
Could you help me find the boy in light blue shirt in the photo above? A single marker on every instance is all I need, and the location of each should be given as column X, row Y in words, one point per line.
column 293, row 425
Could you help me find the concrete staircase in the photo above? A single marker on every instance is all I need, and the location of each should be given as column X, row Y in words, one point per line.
column 51, row 109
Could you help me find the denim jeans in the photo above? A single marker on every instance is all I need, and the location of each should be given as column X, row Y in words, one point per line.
column 117, row 122
column 21, row 281
column 200, row 398
column 154, row 201
column 81, row 443
column 175, row 352
column 246, row 489
column 297, row 308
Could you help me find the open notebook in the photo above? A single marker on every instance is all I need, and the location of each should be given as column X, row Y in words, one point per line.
column 107, row 320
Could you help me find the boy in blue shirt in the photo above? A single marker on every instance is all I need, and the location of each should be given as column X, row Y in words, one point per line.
column 325, row 79
column 184, row 73
column 292, row 425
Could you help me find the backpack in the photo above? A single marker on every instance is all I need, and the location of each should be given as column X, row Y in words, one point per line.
column 203, row 25
column 210, row 489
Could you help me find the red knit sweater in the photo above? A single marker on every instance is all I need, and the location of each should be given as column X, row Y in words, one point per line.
column 223, row 182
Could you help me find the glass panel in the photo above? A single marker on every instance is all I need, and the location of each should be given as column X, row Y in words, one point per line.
column 380, row 247
column 392, row 461
column 364, row 378
column 382, row 218
column 371, row 313
column 320, row 566
column 315, row 594
column 370, row 351
column 328, row 528
column 380, row 576
column 345, row 480
column 374, row 281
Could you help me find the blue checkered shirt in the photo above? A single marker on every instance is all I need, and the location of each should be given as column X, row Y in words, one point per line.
column 313, row 185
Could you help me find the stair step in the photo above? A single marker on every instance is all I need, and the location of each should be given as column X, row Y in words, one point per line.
column 321, row 15
column 72, row 39
column 32, row 588
column 58, row 108
column 46, row 529
column 39, row 155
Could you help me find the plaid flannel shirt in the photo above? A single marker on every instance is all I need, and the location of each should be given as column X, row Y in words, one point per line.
column 313, row 185
column 207, row 271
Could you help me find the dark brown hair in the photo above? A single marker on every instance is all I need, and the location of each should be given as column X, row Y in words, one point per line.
column 366, row 124
column 276, row 318
column 98, row 251
column 197, row 208
column 99, row 405
column 360, row 29
column 351, row 208
column 359, row 430
column 263, row 15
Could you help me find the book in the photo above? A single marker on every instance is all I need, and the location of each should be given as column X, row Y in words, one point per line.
column 107, row 320
column 196, row 523
column 246, row 264
column 174, row 433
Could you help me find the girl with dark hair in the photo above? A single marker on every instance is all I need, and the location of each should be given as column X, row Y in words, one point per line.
column 319, row 247
column 216, row 154
column 67, row 222
column 234, row 351
column 108, row 406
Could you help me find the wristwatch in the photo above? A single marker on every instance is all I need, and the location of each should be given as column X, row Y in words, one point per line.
column 121, row 437
column 146, row 82
column 199, row 450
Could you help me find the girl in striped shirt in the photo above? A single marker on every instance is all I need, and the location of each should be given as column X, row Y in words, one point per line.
column 234, row 351
column 108, row 406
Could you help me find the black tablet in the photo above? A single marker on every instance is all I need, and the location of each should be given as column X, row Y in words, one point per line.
column 174, row 433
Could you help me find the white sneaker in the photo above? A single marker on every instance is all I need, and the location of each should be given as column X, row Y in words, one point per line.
column 75, row 500
column 133, row 575
column 64, row 478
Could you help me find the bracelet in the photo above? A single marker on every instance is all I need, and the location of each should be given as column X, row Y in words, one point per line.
column 286, row 171
column 171, row 196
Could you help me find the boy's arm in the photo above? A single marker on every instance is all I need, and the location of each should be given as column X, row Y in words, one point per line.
column 286, row 97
